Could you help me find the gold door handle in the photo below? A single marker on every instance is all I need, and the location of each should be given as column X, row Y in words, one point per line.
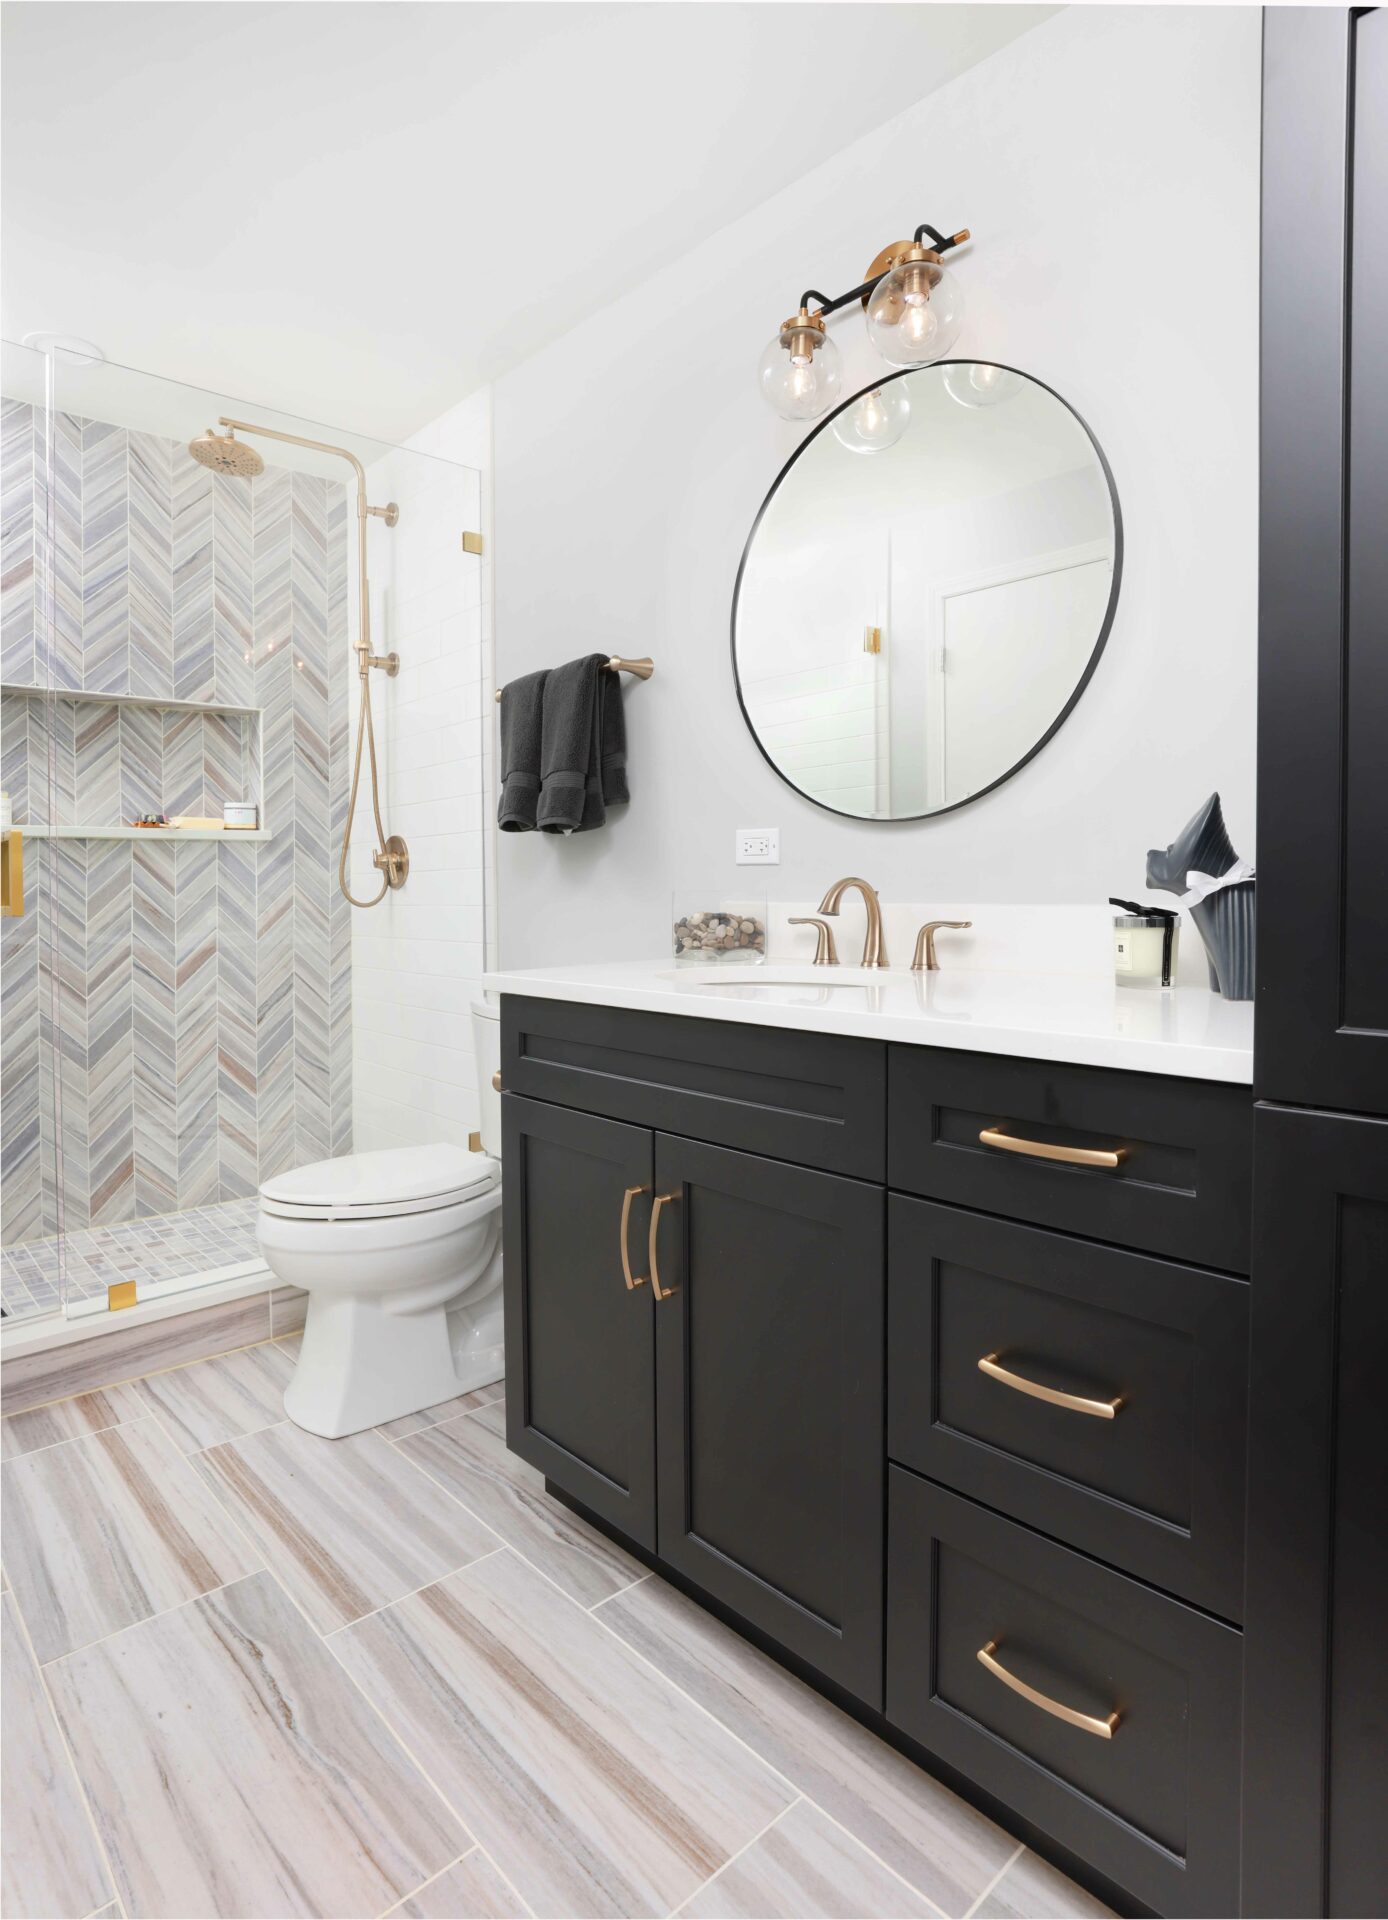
column 1101, row 1409
column 1109, row 1157
column 660, row 1292
column 496, row 1081
column 1086, row 1722
column 632, row 1279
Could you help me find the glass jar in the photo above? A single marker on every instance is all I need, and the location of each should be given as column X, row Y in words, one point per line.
column 1145, row 948
column 709, row 928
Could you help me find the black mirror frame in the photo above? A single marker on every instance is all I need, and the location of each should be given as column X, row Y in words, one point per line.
column 935, row 813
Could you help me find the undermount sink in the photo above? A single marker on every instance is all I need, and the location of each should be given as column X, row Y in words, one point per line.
column 733, row 975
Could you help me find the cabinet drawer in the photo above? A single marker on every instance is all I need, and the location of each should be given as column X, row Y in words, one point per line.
column 1179, row 1181
column 816, row 1099
column 1157, row 1489
column 1154, row 1806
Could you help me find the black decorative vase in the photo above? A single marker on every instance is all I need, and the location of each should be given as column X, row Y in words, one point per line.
column 1224, row 919
column 1225, row 924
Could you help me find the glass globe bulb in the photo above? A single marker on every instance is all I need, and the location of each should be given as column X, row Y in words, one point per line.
column 976, row 383
column 876, row 419
column 915, row 313
column 800, row 379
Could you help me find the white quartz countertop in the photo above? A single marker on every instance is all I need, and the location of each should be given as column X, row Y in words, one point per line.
column 1186, row 1031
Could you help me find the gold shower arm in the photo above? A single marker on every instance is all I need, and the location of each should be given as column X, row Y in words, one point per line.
column 298, row 440
column 642, row 668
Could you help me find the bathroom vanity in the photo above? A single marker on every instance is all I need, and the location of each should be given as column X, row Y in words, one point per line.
column 906, row 1320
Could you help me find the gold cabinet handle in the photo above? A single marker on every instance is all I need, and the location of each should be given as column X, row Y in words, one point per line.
column 496, row 1081
column 632, row 1279
column 1102, row 1729
column 1109, row 1157
column 1101, row 1409
column 660, row 1292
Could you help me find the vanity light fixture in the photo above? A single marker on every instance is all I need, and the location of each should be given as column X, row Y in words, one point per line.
column 914, row 313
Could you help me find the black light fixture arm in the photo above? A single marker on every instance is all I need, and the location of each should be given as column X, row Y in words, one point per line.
column 941, row 242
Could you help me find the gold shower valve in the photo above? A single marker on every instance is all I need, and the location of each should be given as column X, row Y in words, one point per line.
column 393, row 861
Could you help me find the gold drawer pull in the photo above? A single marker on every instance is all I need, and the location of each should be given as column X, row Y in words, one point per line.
column 1109, row 1157
column 632, row 1279
column 1101, row 1409
column 496, row 1081
column 1086, row 1722
column 660, row 1292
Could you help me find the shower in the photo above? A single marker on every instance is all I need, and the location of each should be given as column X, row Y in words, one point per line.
column 224, row 453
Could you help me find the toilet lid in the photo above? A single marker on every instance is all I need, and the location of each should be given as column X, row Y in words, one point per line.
column 375, row 1185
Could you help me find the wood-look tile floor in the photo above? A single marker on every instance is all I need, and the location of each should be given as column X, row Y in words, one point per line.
column 252, row 1673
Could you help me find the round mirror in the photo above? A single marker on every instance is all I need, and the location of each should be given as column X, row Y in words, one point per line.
column 926, row 590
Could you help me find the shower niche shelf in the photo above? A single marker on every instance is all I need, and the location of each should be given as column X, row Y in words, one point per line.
column 90, row 698
column 145, row 833
column 132, row 753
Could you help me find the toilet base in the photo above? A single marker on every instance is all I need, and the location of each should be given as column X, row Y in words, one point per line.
column 363, row 1363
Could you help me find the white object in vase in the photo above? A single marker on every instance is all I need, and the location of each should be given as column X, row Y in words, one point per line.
column 400, row 1254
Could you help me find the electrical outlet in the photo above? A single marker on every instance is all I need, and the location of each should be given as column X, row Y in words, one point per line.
column 758, row 846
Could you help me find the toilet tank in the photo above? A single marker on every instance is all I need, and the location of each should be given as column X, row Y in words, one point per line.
column 486, row 1047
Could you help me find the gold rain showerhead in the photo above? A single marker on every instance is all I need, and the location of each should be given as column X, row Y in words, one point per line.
column 224, row 453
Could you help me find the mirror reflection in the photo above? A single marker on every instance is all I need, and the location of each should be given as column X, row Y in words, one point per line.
column 926, row 591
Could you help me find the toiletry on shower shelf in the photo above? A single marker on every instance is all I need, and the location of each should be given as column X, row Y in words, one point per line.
column 708, row 928
column 1145, row 944
column 240, row 816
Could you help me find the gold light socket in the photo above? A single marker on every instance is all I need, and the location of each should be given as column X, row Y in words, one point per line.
column 802, row 333
column 904, row 253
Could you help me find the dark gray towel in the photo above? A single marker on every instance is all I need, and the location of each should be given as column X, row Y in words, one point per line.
column 613, row 756
column 522, row 708
column 571, row 749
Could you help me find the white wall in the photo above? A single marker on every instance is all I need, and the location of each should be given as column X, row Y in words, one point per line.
column 418, row 957
column 1107, row 162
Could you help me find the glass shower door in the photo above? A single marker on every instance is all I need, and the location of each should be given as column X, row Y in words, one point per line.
column 40, row 1020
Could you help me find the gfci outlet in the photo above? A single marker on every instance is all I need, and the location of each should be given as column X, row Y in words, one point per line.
column 759, row 846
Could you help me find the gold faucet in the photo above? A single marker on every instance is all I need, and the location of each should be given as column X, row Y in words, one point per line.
column 874, row 952
column 925, row 961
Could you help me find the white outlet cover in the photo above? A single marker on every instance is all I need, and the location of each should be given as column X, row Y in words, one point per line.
column 758, row 847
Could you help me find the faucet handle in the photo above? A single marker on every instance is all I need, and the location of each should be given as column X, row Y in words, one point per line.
column 824, row 952
column 925, row 960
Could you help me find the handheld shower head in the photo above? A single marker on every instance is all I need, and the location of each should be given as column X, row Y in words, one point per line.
column 224, row 453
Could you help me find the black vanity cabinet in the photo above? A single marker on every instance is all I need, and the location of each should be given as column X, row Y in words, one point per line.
column 782, row 1312
column 726, row 1409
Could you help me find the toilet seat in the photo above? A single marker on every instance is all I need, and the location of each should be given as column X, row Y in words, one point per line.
column 383, row 1185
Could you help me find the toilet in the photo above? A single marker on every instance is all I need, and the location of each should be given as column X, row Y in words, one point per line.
column 399, row 1252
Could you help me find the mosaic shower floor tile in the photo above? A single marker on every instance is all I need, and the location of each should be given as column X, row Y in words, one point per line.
column 163, row 1247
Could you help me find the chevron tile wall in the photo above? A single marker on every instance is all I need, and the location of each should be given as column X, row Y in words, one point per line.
column 176, row 1018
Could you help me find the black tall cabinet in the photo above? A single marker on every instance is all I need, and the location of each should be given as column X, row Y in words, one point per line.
column 1315, row 1814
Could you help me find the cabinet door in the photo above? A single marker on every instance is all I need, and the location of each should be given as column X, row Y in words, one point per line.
column 1316, row 1653
column 580, row 1357
column 1322, row 1033
column 769, row 1326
